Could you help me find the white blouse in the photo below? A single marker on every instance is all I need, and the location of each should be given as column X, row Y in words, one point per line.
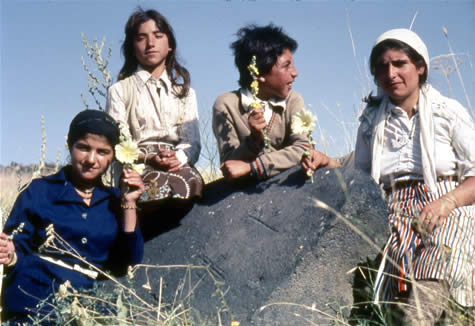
column 401, row 158
column 162, row 116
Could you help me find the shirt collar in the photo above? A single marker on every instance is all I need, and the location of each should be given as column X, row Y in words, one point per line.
column 247, row 99
column 397, row 110
column 68, row 194
column 144, row 76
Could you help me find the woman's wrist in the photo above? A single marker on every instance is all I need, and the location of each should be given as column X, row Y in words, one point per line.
column 450, row 200
column 128, row 204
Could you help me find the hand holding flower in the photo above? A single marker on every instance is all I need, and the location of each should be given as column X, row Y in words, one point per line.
column 316, row 160
column 134, row 183
column 132, row 187
column 257, row 123
column 303, row 123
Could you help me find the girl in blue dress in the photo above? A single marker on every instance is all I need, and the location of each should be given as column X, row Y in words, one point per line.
column 100, row 223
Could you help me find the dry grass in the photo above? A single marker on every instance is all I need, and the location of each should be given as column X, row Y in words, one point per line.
column 10, row 183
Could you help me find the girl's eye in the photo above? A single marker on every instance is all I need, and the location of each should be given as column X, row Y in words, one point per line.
column 103, row 152
column 82, row 148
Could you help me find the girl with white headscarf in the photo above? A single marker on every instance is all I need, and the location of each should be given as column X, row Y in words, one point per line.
column 419, row 145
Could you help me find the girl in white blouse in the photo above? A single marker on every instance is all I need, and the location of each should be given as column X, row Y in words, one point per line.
column 419, row 145
column 154, row 100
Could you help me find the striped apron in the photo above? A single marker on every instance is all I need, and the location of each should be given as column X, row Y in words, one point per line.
column 446, row 254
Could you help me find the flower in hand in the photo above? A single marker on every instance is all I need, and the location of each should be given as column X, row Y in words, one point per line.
column 303, row 122
column 257, row 124
column 132, row 186
column 127, row 152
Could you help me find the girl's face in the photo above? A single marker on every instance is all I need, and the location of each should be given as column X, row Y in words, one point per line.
column 278, row 81
column 398, row 76
column 90, row 157
column 151, row 47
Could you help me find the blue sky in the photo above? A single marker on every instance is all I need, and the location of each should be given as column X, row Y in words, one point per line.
column 42, row 75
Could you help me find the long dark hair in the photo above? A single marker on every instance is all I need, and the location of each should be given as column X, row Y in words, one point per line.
column 174, row 69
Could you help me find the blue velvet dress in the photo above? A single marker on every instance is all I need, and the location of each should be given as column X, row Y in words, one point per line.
column 94, row 231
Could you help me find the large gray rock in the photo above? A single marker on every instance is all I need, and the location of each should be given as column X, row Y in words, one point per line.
column 266, row 254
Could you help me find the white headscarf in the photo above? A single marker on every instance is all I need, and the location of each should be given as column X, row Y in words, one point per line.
column 426, row 98
column 409, row 37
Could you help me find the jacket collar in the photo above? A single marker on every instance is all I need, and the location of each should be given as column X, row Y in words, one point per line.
column 68, row 194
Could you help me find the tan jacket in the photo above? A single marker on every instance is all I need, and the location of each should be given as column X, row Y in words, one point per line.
column 235, row 142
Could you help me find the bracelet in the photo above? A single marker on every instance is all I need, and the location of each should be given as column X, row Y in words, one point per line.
column 128, row 207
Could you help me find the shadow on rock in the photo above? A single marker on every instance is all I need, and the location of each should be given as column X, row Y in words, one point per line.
column 265, row 254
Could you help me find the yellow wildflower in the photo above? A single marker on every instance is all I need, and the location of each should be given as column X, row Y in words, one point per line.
column 255, row 85
column 253, row 70
column 127, row 152
column 255, row 105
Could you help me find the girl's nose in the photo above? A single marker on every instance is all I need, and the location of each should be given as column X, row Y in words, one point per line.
column 91, row 157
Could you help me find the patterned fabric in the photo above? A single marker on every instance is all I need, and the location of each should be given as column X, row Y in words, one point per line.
column 446, row 254
column 186, row 183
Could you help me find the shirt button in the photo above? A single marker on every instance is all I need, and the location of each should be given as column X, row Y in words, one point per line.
column 84, row 215
column 84, row 240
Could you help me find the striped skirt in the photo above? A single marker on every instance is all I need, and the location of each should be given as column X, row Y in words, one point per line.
column 446, row 254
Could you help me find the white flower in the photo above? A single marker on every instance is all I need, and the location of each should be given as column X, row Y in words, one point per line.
column 127, row 152
column 303, row 122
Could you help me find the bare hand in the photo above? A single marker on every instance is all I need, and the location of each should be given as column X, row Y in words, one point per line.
column 317, row 160
column 166, row 161
column 234, row 169
column 7, row 249
column 434, row 215
column 134, row 186
column 257, row 123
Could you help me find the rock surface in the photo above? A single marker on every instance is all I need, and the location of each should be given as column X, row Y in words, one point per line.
column 266, row 254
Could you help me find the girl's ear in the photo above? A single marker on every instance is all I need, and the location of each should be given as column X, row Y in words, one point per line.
column 261, row 79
